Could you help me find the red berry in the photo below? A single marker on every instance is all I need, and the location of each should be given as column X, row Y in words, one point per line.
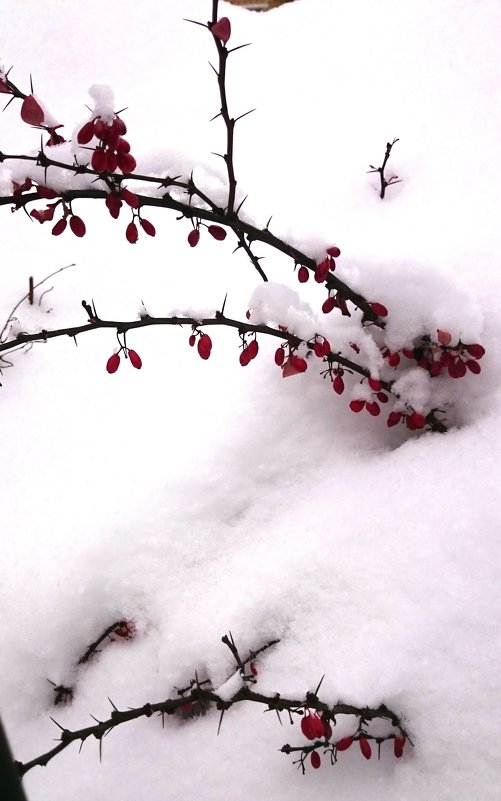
column 374, row 384
column 306, row 727
column 113, row 363
column 315, row 759
column 415, row 420
column 477, row 351
column 192, row 340
column 135, row 359
column 131, row 233
column 129, row 197
column 101, row 130
column 77, row 225
column 59, row 227
column 357, row 405
column 99, row 160
column 31, row 111
column 111, row 161
column 193, row 237
column 114, row 204
column 435, row 369
column 222, row 29
column 344, row 743
column 119, row 126
column 303, row 274
column 312, row 726
column 393, row 419
column 148, row 227
column 4, row 88
column 322, row 271
column 299, row 364
column 365, row 747
column 443, row 337
column 253, row 348
column 253, row 668
column 334, row 252
column 46, row 192
column 123, row 146
column 204, row 346
column 381, row 396
column 408, row 353
column 126, row 163
column 394, row 359
column 328, row 305
column 373, row 408
column 327, row 347
column 245, row 357
column 379, row 309
column 456, row 368
column 327, row 729
column 279, row 356
column 217, row 232
column 338, row 385
column 398, row 746
column 473, row 366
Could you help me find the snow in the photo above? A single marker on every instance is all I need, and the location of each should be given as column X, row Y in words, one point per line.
column 199, row 497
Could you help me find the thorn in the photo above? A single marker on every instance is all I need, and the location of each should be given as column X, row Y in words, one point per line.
column 245, row 114
column 220, row 722
column 58, row 724
column 224, row 303
column 113, row 705
column 319, row 684
column 239, row 47
column 31, row 83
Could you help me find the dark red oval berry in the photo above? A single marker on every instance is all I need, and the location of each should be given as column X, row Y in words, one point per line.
column 113, row 363
column 365, row 747
column 126, row 163
column 135, row 359
column 473, row 366
column 244, row 357
column 398, row 746
column 373, row 408
column 204, row 346
column 394, row 359
column 111, row 161
column 194, row 237
column 299, row 364
column 338, row 385
column 129, row 197
column 114, row 204
column 334, row 252
column 131, row 233
column 344, row 743
column 253, row 348
column 279, row 356
column 357, row 405
column 59, row 227
column 329, row 304
column 99, row 160
column 374, row 384
column 119, row 126
column 379, row 309
column 77, row 225
column 192, row 340
column 477, row 351
column 86, row 133
column 393, row 419
column 303, row 275
column 315, row 759
column 148, row 227
column 217, row 232
column 31, row 111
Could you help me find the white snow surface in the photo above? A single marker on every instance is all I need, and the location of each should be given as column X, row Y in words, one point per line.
column 199, row 497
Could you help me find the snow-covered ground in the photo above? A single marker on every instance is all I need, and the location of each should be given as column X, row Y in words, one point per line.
column 198, row 497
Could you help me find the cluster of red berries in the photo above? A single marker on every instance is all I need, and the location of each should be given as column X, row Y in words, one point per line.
column 112, row 151
column 293, row 365
column 322, row 269
column 248, row 352
column 113, row 362
column 439, row 356
column 126, row 629
column 77, row 225
column 315, row 727
column 214, row 230
column 204, row 345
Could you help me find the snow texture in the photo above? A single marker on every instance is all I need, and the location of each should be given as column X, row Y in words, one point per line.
column 197, row 497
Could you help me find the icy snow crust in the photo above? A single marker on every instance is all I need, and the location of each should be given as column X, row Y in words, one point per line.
column 200, row 497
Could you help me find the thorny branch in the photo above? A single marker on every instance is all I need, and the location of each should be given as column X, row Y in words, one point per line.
column 380, row 170
column 197, row 693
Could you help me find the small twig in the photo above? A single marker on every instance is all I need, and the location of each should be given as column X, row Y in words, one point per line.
column 380, row 170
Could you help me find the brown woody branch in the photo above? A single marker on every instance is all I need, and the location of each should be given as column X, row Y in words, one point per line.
column 240, row 227
column 197, row 694
column 380, row 170
column 146, row 320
